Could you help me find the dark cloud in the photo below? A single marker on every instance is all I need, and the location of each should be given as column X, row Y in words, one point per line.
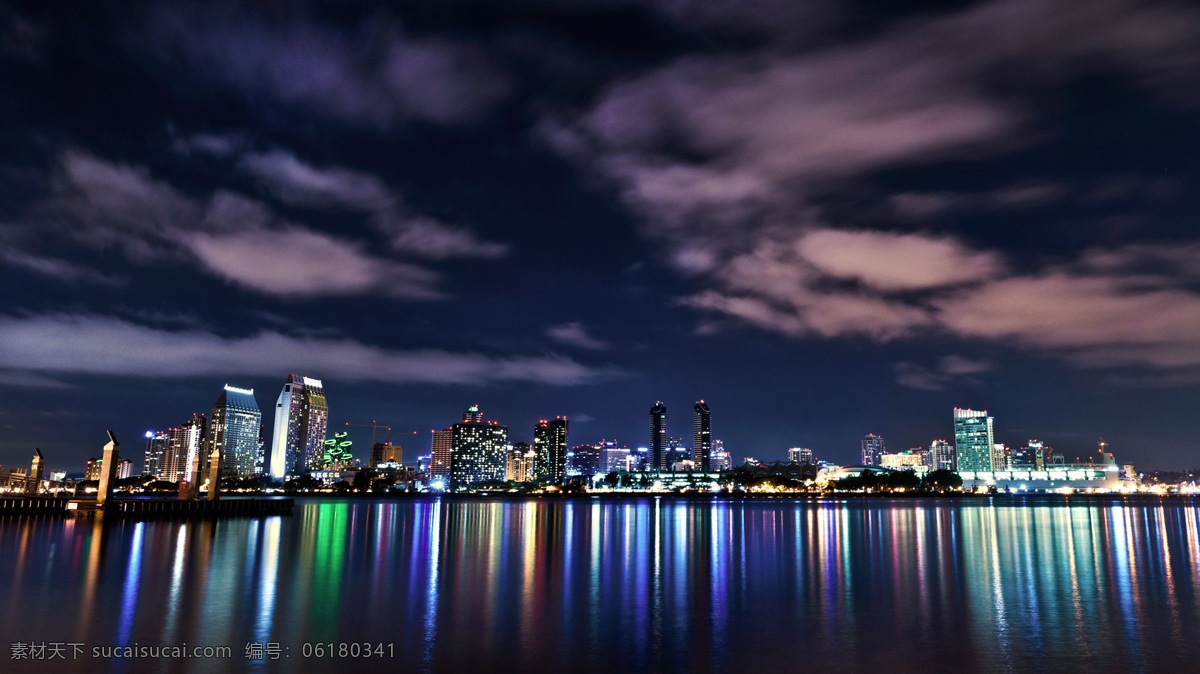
column 303, row 184
column 58, row 269
column 375, row 74
column 23, row 38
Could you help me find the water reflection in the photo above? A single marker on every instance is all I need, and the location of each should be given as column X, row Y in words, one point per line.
column 639, row 584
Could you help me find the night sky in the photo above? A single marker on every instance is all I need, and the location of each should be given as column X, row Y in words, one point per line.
column 825, row 219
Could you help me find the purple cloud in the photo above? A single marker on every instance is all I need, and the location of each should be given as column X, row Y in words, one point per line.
column 60, row 343
column 950, row 369
column 111, row 206
column 575, row 334
column 299, row 183
column 378, row 75
column 723, row 158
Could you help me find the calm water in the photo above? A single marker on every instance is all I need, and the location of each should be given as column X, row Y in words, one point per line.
column 625, row 585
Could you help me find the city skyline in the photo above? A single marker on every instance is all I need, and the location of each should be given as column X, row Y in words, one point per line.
column 171, row 452
column 826, row 220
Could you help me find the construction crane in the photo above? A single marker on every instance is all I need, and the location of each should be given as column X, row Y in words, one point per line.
column 375, row 426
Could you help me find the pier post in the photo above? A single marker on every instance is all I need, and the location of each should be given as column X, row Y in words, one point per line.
column 33, row 484
column 108, row 468
column 214, row 474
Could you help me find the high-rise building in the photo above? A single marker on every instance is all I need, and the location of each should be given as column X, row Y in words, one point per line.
column 124, row 469
column 1035, row 454
column 941, row 456
column 1001, row 456
column 801, row 455
column 550, row 445
column 584, row 460
column 720, row 457
column 658, row 437
column 443, row 443
column 156, row 448
column 973, row 440
column 702, row 437
column 520, row 467
column 301, row 417
column 872, row 449
column 184, row 443
column 614, row 457
column 478, row 450
column 677, row 455
column 386, row 452
column 91, row 471
column 235, row 430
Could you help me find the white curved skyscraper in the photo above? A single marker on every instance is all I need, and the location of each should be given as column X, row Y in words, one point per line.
column 301, row 417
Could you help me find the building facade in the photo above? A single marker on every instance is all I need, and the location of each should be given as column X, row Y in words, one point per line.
column 443, row 443
column 583, row 460
column 702, row 436
column 91, row 470
column 301, row 418
column 1035, row 454
column 184, row 443
column 478, row 451
column 235, row 430
column 872, row 449
column 550, row 446
column 941, row 456
column 386, row 452
column 658, row 437
column 913, row 459
column 520, row 466
column 156, row 449
column 614, row 456
column 800, row 455
column 720, row 456
column 973, row 440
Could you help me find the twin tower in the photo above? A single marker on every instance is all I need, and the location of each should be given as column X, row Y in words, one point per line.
column 701, row 436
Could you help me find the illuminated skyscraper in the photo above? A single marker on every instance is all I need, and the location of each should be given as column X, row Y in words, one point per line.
column 301, row 416
column 677, row 455
column 443, row 442
column 156, row 449
column 584, row 460
column 184, row 442
column 720, row 457
column 1035, row 454
column 235, row 430
column 702, row 437
column 520, row 463
column 550, row 446
column 941, row 456
column 658, row 436
column 872, row 449
column 478, row 451
column 615, row 457
column 800, row 455
column 973, row 440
